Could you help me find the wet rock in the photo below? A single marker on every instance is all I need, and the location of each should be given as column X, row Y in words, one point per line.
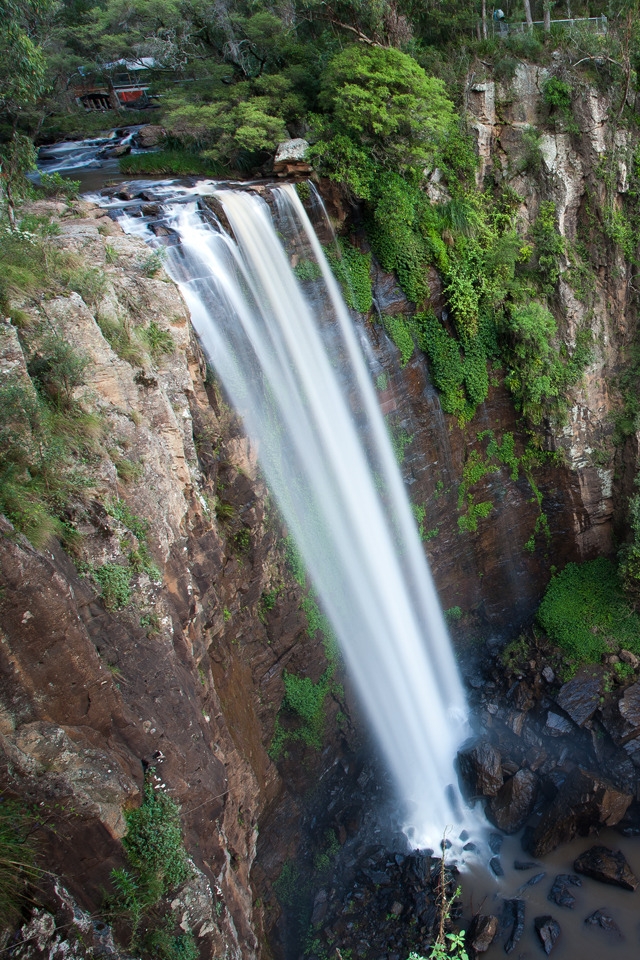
column 512, row 806
column 469, row 847
column 496, row 866
column 558, row 726
column 608, row 866
column 580, row 697
column 480, row 767
column 495, row 842
column 548, row 930
column 560, row 892
column 548, row 674
column 517, row 910
column 482, row 932
column 584, row 801
column 601, row 919
column 525, row 864
column 532, row 882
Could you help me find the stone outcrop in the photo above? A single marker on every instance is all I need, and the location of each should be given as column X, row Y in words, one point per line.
column 583, row 802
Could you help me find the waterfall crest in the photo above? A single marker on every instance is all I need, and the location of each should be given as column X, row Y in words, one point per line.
column 290, row 360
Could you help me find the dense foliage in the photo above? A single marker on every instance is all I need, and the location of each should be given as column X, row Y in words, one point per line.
column 585, row 611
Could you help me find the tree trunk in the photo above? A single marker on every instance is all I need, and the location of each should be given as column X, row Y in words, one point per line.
column 114, row 102
column 484, row 19
column 527, row 13
column 547, row 16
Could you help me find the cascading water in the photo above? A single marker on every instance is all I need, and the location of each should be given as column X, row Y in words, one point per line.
column 293, row 368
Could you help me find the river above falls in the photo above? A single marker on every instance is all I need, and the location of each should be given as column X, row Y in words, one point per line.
column 93, row 161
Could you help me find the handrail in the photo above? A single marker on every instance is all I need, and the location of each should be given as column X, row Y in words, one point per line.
column 502, row 28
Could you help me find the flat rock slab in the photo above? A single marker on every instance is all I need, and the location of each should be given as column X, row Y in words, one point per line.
column 601, row 919
column 607, row 866
column 548, row 930
column 580, row 697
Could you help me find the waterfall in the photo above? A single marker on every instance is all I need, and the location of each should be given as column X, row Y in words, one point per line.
column 291, row 362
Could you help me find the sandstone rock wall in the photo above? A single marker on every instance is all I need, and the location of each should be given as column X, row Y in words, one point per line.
column 187, row 677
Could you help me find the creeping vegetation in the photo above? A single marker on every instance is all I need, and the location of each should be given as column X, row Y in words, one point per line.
column 158, row 864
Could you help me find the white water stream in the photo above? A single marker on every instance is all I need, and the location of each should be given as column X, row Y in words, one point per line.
column 293, row 367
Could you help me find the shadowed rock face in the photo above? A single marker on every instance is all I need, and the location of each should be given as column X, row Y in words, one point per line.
column 510, row 808
column 583, row 800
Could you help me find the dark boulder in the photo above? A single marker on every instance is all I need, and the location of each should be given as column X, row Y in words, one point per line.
column 150, row 135
column 525, row 865
column 496, row 866
column 580, row 697
column 514, row 909
column 495, row 842
column 608, row 866
column 560, row 892
column 512, row 805
column 480, row 767
column 584, row 801
column 601, row 919
column 481, row 933
column 548, row 930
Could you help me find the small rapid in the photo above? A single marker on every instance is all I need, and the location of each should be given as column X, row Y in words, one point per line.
column 293, row 365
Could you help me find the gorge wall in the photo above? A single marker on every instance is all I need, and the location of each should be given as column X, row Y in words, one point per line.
column 186, row 678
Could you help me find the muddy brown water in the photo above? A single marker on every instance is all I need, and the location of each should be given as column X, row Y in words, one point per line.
column 484, row 893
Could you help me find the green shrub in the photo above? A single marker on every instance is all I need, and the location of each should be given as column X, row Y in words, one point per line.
column 549, row 246
column 55, row 185
column 585, row 612
column 352, row 270
column 385, row 103
column 557, row 94
column 40, row 449
column 18, row 867
column 160, row 341
column 153, row 841
column 158, row 861
column 306, row 699
column 399, row 332
column 114, row 580
column 294, row 561
column 307, row 270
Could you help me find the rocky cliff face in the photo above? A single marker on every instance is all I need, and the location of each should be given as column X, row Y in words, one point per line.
column 182, row 674
column 493, row 572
